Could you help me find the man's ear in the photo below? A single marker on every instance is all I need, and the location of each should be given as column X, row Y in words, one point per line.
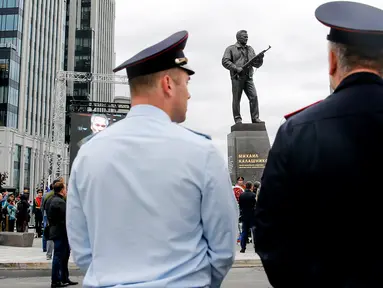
column 333, row 63
column 166, row 85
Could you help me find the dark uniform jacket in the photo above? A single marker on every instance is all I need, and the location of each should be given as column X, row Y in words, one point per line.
column 247, row 205
column 56, row 212
column 319, row 213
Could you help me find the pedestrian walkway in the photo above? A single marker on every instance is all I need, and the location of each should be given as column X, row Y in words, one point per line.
column 25, row 257
column 35, row 258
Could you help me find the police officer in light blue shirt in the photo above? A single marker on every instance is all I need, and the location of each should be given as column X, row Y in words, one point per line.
column 150, row 203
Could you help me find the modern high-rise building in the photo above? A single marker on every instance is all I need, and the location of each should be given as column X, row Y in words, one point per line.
column 89, row 46
column 38, row 38
column 31, row 52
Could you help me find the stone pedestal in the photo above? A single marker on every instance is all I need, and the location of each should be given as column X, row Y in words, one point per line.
column 248, row 148
column 16, row 239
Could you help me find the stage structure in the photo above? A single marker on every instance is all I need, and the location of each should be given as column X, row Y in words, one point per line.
column 58, row 150
column 97, row 107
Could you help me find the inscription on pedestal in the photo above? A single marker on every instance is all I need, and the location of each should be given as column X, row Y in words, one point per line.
column 250, row 161
column 248, row 148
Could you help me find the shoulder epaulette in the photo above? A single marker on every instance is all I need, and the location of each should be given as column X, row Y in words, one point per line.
column 200, row 134
column 287, row 116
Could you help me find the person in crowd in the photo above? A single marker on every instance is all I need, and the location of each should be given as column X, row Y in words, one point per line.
column 4, row 211
column 239, row 187
column 11, row 212
column 50, row 194
column 181, row 234
column 313, row 236
column 4, row 197
column 247, row 205
column 22, row 214
column 257, row 187
column 58, row 233
column 48, row 245
column 1, row 212
column 37, row 211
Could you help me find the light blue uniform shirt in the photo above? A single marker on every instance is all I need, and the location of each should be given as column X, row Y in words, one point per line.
column 150, row 204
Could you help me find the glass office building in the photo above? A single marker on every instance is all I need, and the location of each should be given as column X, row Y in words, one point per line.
column 89, row 47
column 37, row 39
column 11, row 31
column 31, row 52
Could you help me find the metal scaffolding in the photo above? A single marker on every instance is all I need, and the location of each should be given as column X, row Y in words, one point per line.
column 58, row 150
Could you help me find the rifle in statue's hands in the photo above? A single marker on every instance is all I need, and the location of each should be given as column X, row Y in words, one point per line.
column 250, row 62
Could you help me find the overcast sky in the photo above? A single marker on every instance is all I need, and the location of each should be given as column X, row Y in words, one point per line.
column 294, row 73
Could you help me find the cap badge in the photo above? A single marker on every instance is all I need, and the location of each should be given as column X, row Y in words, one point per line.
column 181, row 61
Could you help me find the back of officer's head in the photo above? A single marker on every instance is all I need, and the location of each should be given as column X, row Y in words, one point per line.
column 166, row 90
column 249, row 186
column 345, row 59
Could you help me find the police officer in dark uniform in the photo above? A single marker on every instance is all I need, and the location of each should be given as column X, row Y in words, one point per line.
column 314, row 235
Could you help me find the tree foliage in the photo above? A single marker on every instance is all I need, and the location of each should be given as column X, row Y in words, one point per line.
column 3, row 178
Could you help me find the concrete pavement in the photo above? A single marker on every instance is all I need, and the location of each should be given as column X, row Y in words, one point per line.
column 237, row 277
column 33, row 258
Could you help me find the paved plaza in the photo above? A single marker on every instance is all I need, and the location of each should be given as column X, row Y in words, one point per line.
column 34, row 258
column 237, row 277
column 28, row 267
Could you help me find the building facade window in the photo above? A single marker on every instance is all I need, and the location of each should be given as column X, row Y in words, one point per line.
column 11, row 3
column 16, row 167
column 27, row 168
column 11, row 22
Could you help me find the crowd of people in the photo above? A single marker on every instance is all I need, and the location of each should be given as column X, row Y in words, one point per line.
column 246, row 195
column 15, row 212
column 49, row 212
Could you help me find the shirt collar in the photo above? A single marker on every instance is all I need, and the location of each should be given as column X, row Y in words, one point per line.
column 148, row 111
column 240, row 46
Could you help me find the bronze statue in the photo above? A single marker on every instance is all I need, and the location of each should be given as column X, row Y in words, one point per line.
column 240, row 59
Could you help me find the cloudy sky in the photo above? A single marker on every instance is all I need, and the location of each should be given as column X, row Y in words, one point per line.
column 294, row 73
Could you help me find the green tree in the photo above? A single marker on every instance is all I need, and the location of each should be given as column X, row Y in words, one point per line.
column 3, row 178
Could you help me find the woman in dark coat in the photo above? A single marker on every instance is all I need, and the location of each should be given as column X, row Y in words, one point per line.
column 22, row 214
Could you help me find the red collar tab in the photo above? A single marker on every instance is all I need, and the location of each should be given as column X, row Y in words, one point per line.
column 287, row 116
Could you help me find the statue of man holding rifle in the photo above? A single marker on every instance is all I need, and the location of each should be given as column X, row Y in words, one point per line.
column 240, row 59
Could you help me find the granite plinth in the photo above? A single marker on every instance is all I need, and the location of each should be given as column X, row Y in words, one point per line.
column 261, row 126
column 16, row 239
column 248, row 148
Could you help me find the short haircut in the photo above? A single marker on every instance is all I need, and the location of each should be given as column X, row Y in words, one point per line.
column 352, row 57
column 53, row 183
column 142, row 84
column 249, row 185
column 58, row 187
